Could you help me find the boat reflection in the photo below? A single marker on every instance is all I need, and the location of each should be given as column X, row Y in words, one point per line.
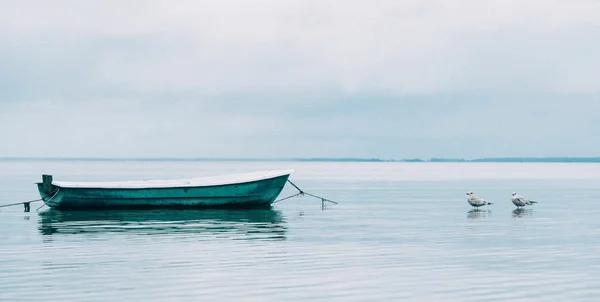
column 234, row 224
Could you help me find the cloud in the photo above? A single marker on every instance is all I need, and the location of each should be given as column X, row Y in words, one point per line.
column 387, row 46
column 452, row 126
column 299, row 78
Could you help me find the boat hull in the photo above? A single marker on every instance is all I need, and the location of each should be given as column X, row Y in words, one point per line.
column 252, row 194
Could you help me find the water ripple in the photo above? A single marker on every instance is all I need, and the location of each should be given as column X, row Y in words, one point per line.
column 392, row 238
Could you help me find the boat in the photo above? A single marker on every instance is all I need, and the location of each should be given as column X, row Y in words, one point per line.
column 246, row 190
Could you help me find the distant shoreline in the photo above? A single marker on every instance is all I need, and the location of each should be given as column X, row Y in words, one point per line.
column 414, row 160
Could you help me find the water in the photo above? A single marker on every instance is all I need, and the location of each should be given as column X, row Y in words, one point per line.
column 402, row 231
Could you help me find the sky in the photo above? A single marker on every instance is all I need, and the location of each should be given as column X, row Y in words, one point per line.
column 283, row 79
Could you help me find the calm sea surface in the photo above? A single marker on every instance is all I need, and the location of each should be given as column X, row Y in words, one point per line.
column 402, row 231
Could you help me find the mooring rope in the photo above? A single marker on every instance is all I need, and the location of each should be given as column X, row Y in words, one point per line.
column 18, row 203
column 30, row 201
column 291, row 196
column 48, row 201
column 302, row 193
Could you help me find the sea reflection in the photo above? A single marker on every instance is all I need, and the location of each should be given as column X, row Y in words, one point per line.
column 477, row 214
column 522, row 212
column 233, row 224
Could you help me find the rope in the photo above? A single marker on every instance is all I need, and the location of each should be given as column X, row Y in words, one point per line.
column 295, row 186
column 18, row 203
column 30, row 201
column 302, row 193
column 47, row 201
column 322, row 199
column 297, row 194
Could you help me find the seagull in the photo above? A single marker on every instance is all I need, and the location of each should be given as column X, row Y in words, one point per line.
column 521, row 201
column 476, row 201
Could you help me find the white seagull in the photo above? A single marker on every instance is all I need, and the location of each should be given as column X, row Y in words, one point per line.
column 521, row 201
column 476, row 201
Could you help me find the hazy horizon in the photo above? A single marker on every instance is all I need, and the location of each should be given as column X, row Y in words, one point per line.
column 321, row 159
column 300, row 79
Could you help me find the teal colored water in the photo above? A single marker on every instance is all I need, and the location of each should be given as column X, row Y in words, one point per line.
column 402, row 232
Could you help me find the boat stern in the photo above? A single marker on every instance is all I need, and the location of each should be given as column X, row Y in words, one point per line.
column 48, row 192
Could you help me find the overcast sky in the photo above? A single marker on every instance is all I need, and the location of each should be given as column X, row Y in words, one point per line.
column 387, row 79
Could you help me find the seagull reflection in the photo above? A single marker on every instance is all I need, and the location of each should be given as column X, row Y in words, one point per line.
column 477, row 214
column 522, row 212
column 234, row 224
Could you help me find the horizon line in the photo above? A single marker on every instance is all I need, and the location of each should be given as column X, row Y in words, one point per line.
column 313, row 159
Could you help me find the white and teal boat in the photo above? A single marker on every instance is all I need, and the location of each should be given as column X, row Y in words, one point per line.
column 248, row 190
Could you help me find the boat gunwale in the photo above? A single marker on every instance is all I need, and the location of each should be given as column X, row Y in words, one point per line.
column 171, row 184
